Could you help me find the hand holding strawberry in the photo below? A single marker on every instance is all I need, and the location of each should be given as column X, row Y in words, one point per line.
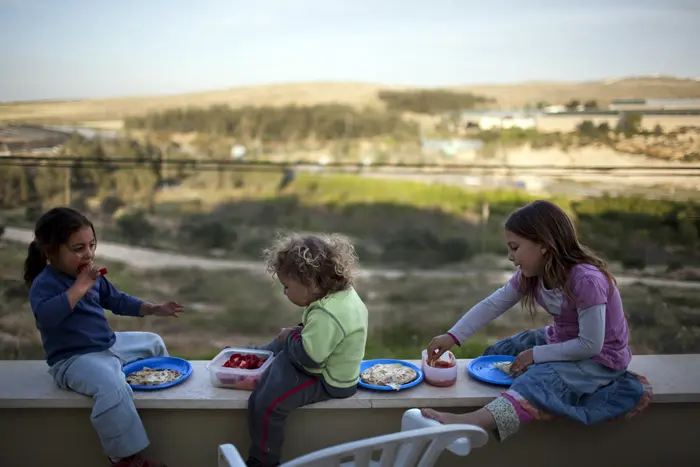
column 88, row 275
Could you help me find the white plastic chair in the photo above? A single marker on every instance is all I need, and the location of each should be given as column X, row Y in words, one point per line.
column 419, row 444
column 412, row 420
column 229, row 456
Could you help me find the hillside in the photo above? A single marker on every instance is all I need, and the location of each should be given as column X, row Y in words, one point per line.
column 357, row 94
column 518, row 95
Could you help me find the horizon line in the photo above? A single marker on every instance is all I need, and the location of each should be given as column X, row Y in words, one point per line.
column 603, row 80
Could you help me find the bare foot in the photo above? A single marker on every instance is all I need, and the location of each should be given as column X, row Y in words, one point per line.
column 444, row 417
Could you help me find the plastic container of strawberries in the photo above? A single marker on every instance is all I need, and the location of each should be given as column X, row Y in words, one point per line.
column 237, row 378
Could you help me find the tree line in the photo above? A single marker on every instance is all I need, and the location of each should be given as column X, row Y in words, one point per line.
column 323, row 122
column 432, row 101
column 326, row 122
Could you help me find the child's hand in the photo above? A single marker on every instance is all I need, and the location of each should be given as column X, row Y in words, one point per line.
column 87, row 277
column 166, row 309
column 284, row 333
column 522, row 361
column 438, row 346
column 84, row 281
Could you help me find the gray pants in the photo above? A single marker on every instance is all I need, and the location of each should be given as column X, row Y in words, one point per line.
column 282, row 389
column 99, row 375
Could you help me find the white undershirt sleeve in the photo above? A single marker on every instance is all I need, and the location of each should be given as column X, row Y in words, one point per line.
column 589, row 343
column 485, row 311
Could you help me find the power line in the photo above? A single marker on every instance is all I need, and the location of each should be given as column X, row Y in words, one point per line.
column 143, row 166
column 466, row 170
column 108, row 163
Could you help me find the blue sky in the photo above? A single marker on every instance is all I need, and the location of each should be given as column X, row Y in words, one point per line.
column 61, row 49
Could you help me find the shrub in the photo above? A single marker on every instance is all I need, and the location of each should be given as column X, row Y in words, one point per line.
column 209, row 233
column 110, row 205
column 136, row 228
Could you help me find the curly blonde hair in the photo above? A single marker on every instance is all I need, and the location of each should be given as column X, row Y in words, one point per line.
column 326, row 262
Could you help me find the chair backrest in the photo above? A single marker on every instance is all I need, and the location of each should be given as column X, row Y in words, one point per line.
column 412, row 448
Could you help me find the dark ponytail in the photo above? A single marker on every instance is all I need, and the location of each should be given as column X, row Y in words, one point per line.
column 34, row 264
column 52, row 230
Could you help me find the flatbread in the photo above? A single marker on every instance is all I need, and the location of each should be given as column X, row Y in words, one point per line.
column 388, row 374
column 505, row 367
column 150, row 377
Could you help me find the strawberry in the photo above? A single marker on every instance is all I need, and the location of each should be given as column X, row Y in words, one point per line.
column 102, row 271
column 245, row 362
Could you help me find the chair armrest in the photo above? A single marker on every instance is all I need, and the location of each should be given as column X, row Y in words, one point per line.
column 412, row 420
column 229, row 456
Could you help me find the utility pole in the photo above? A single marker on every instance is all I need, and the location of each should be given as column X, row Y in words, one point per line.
column 164, row 161
column 346, row 134
column 485, row 212
column 220, row 178
column 67, row 185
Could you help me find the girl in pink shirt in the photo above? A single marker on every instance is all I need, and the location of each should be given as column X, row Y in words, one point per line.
column 577, row 366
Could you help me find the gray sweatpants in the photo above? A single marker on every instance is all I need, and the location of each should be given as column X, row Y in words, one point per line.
column 282, row 389
column 99, row 375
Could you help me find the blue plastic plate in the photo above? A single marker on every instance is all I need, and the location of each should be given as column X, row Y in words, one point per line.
column 481, row 368
column 369, row 363
column 159, row 363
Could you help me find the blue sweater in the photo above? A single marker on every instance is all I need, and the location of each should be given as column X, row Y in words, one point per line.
column 67, row 331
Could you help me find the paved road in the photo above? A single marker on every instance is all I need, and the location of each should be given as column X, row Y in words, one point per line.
column 154, row 259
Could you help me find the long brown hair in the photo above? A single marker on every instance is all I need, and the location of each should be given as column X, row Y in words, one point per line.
column 548, row 225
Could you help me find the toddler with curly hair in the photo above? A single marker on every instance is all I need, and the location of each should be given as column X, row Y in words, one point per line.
column 320, row 358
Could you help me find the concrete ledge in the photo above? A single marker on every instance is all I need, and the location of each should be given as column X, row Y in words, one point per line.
column 185, row 427
column 27, row 384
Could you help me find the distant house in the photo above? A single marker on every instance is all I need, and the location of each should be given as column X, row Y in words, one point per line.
column 642, row 105
column 554, row 109
column 238, row 152
column 457, row 148
column 497, row 120
column 45, row 150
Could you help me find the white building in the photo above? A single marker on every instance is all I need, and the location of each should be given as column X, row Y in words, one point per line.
column 654, row 104
column 554, row 109
column 495, row 120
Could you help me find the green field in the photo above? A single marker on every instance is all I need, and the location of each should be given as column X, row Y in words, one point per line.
column 392, row 223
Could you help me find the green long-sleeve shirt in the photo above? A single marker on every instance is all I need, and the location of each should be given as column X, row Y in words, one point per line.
column 333, row 338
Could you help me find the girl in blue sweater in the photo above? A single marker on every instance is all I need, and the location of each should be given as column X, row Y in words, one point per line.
column 68, row 295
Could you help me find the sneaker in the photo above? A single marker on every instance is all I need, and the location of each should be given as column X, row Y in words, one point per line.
column 137, row 460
